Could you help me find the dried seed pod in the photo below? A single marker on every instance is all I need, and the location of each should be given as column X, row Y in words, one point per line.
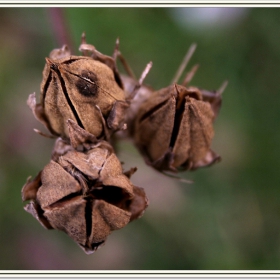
column 83, row 191
column 173, row 127
column 85, row 89
column 174, row 130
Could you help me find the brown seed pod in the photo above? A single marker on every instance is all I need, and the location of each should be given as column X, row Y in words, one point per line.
column 173, row 127
column 83, row 191
column 85, row 89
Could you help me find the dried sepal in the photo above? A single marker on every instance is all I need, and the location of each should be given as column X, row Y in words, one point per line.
column 214, row 97
column 138, row 205
column 83, row 191
column 36, row 211
column 30, row 188
column 144, row 92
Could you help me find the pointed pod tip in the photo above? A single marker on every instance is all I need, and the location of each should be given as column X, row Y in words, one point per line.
column 70, row 122
column 65, row 48
column 44, row 134
column 145, row 72
column 193, row 46
column 83, row 37
column 31, row 100
column 51, row 63
column 78, row 135
column 72, row 125
column 48, row 60
column 177, row 91
column 222, row 87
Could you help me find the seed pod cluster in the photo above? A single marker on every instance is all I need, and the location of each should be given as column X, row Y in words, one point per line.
column 83, row 190
column 84, row 101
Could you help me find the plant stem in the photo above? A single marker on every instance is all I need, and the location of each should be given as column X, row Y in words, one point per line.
column 60, row 28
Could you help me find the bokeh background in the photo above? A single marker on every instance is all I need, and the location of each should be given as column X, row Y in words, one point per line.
column 229, row 218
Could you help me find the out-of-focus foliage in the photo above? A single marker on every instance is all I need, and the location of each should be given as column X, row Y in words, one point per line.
column 229, row 217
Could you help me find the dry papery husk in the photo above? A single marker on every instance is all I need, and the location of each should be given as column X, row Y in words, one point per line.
column 86, row 89
column 83, row 190
column 173, row 128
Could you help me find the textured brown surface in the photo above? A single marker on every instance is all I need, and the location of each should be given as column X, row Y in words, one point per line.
column 84, row 191
column 174, row 129
column 85, row 89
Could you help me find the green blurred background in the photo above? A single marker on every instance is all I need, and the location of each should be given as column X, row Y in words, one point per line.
column 229, row 218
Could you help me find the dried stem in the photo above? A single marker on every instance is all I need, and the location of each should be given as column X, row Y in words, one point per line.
column 190, row 75
column 222, row 88
column 118, row 54
column 140, row 82
column 60, row 28
column 184, row 63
